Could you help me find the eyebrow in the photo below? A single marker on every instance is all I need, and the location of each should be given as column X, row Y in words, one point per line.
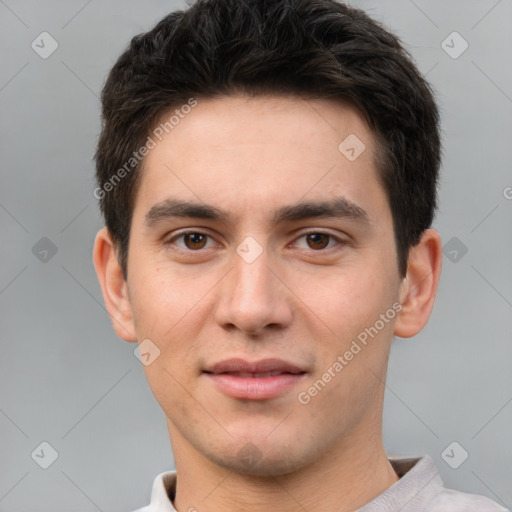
column 336, row 208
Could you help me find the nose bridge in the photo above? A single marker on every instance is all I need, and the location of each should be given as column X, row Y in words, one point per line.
column 252, row 297
column 251, row 280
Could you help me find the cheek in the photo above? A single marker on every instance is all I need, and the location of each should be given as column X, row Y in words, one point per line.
column 170, row 309
column 167, row 387
column 161, row 299
column 346, row 297
column 345, row 311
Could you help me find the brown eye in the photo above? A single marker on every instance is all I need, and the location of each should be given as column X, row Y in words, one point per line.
column 318, row 240
column 195, row 240
column 187, row 242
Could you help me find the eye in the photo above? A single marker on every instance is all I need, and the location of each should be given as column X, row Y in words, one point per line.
column 318, row 240
column 191, row 240
column 194, row 241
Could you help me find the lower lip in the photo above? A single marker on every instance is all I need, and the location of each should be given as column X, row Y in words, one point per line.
column 255, row 388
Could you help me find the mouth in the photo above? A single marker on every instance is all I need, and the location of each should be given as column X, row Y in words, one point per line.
column 249, row 375
column 259, row 380
column 262, row 367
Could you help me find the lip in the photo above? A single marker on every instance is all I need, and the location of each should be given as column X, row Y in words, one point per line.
column 235, row 377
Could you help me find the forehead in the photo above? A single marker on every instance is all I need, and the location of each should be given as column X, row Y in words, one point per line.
column 246, row 153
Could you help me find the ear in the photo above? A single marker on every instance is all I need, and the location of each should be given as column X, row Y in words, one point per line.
column 113, row 286
column 419, row 286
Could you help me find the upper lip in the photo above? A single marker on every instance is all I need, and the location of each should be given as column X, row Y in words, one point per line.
column 238, row 365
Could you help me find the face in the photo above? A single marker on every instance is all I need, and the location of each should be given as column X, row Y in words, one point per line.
column 249, row 275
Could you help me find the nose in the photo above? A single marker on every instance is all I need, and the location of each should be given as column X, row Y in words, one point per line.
column 253, row 298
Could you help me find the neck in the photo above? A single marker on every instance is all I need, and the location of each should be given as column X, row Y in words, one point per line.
column 346, row 478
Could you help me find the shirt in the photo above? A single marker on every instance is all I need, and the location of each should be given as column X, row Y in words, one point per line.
column 420, row 489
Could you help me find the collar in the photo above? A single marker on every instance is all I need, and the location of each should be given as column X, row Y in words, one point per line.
column 419, row 483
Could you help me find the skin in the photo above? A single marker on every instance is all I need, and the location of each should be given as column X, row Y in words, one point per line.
column 298, row 301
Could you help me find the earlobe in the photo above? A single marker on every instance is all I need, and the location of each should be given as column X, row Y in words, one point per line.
column 419, row 286
column 113, row 286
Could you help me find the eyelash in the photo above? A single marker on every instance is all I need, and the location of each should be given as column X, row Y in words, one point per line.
column 197, row 232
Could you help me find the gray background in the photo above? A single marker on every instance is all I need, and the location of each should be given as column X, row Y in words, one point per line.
column 68, row 380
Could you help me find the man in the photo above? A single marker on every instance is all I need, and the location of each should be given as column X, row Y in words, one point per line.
column 267, row 172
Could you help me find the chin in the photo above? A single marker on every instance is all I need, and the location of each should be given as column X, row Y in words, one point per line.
column 250, row 460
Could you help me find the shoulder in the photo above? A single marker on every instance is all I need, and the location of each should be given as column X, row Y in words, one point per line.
column 421, row 488
column 449, row 500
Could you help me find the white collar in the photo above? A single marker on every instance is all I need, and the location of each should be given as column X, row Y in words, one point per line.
column 419, row 480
